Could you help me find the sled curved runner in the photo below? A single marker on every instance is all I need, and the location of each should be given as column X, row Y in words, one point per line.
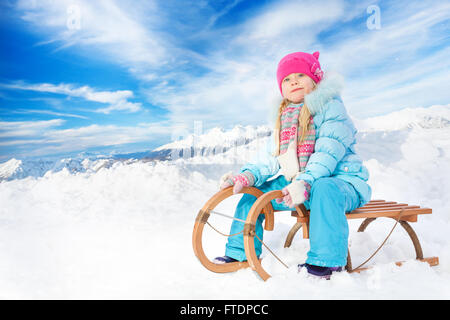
column 202, row 219
column 371, row 211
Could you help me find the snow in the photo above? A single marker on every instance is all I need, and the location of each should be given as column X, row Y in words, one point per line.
column 124, row 230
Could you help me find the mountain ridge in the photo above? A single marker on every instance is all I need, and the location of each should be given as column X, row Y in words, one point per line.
column 219, row 141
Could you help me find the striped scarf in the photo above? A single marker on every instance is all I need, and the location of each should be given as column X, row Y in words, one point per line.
column 288, row 132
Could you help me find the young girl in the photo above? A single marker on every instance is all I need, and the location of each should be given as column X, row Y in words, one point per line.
column 312, row 159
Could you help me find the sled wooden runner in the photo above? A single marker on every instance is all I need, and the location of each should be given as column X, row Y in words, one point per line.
column 202, row 219
column 402, row 212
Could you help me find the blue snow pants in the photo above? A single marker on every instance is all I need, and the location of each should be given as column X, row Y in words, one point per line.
column 330, row 198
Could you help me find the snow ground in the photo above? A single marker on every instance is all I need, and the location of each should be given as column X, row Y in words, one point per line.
column 125, row 232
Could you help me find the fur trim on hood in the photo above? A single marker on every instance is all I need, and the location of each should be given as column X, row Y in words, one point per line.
column 330, row 87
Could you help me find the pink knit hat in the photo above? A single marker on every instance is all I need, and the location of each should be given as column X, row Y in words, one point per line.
column 300, row 62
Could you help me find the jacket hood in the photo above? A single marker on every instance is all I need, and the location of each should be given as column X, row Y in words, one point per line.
column 330, row 87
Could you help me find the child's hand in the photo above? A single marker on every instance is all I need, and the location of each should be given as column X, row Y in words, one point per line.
column 237, row 187
column 295, row 193
column 286, row 198
column 225, row 184
column 245, row 179
column 226, row 180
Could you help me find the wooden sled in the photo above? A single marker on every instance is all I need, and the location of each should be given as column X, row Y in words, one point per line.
column 371, row 211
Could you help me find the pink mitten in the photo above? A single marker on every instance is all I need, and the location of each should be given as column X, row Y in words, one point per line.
column 295, row 193
column 226, row 180
column 245, row 179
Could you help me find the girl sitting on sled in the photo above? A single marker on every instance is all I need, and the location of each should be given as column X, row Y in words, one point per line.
column 312, row 159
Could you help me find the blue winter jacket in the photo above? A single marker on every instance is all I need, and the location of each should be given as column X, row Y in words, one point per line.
column 334, row 153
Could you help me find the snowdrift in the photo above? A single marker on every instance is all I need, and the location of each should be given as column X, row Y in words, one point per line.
column 123, row 230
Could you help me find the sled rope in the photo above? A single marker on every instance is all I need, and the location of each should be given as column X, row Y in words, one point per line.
column 226, row 216
column 382, row 244
column 262, row 242
column 235, row 234
column 223, row 234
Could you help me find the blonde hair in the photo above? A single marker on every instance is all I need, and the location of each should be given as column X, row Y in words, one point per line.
column 304, row 122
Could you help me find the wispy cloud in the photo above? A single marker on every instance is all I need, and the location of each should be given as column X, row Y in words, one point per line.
column 27, row 128
column 213, row 18
column 240, row 85
column 117, row 100
column 422, row 83
column 402, row 34
column 403, row 64
column 49, row 112
column 113, row 27
column 289, row 18
column 39, row 138
column 131, row 34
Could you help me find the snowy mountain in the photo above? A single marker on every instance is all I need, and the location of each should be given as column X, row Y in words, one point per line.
column 213, row 142
column 393, row 129
column 19, row 169
column 218, row 137
column 383, row 137
column 433, row 117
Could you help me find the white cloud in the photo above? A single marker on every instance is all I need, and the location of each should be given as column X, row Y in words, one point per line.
column 423, row 83
column 402, row 34
column 38, row 138
column 213, row 18
column 50, row 112
column 292, row 17
column 112, row 27
column 403, row 64
column 240, row 86
column 385, row 69
column 117, row 100
column 27, row 128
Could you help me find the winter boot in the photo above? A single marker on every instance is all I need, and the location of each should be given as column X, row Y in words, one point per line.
column 321, row 272
column 223, row 260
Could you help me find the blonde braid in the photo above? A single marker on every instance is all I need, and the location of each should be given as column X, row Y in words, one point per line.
column 304, row 122
column 276, row 131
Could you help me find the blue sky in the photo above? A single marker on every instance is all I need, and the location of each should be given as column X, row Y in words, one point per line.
column 124, row 76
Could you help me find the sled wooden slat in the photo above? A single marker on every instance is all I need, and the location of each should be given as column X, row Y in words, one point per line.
column 384, row 205
column 388, row 212
column 384, row 208
column 379, row 204
column 370, row 212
